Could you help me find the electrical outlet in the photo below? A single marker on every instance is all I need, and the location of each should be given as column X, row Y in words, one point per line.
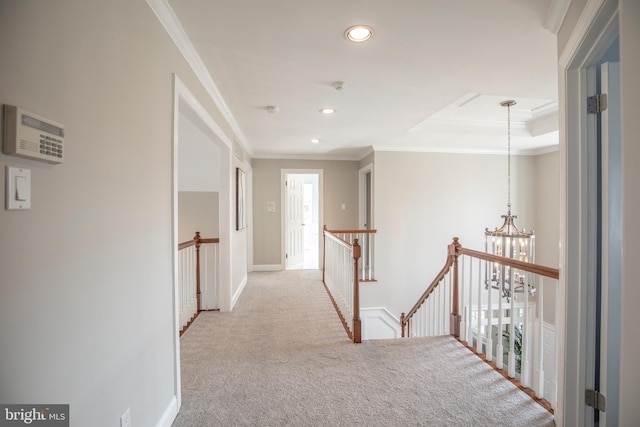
column 125, row 419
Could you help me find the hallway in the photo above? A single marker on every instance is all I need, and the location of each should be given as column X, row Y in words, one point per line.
column 282, row 358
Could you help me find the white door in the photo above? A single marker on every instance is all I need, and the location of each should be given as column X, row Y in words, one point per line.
column 294, row 208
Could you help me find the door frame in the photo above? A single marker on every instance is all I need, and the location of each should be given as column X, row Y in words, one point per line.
column 184, row 100
column 362, row 189
column 283, row 221
column 595, row 30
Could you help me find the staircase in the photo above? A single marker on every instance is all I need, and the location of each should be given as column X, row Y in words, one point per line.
column 507, row 333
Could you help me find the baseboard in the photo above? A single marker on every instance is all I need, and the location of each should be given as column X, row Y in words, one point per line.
column 268, row 267
column 170, row 413
column 237, row 294
column 379, row 323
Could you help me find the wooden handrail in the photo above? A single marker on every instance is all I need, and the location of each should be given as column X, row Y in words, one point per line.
column 455, row 249
column 541, row 270
column 193, row 241
column 404, row 319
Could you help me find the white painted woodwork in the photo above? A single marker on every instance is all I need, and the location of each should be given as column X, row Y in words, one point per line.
column 338, row 274
column 294, row 208
column 379, row 323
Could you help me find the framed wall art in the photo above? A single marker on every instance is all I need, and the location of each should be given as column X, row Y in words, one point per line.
column 241, row 199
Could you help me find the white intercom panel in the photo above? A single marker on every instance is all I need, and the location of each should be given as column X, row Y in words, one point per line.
column 31, row 136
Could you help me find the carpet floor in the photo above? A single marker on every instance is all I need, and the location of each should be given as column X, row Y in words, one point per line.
column 282, row 358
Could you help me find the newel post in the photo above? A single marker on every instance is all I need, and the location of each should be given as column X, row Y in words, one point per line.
column 357, row 325
column 402, row 315
column 454, row 325
column 198, row 296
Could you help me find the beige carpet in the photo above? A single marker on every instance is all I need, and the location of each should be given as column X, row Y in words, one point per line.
column 282, row 358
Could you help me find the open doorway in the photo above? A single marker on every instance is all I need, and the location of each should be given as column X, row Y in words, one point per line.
column 366, row 213
column 188, row 111
column 301, row 218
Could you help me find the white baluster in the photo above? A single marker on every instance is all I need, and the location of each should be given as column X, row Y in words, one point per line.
column 463, row 325
column 511, row 368
column 524, row 346
column 470, row 306
column 479, row 305
column 500, row 346
column 489, row 347
column 540, row 388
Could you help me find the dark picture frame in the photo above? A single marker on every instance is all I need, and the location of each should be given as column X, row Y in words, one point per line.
column 241, row 197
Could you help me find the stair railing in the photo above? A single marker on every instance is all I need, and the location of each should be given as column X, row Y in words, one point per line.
column 508, row 334
column 366, row 240
column 190, row 274
column 340, row 275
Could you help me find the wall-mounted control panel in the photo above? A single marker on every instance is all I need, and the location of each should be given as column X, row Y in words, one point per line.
column 31, row 136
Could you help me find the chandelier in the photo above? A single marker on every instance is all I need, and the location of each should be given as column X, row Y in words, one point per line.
column 509, row 241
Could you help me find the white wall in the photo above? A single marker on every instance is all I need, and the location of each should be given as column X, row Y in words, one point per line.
column 198, row 157
column 340, row 185
column 86, row 298
column 423, row 200
column 197, row 211
column 240, row 238
column 547, row 223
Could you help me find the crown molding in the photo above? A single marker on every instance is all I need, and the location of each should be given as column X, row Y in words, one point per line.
column 173, row 27
column 555, row 15
column 441, row 150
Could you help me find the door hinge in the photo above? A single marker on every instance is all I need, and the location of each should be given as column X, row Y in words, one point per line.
column 597, row 103
column 595, row 399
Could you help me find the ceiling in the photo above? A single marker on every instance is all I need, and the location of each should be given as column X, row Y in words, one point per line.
column 431, row 79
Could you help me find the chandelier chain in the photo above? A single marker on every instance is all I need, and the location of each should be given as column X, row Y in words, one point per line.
column 509, row 103
column 509, row 157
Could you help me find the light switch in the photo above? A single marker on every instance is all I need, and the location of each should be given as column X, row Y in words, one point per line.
column 18, row 188
column 22, row 190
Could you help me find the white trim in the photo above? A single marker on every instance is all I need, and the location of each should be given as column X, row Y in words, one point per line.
column 193, row 103
column 169, row 415
column 555, row 15
column 384, row 316
column 588, row 38
column 545, row 150
column 268, row 267
column 579, row 32
column 405, row 149
column 362, row 199
column 183, row 96
column 283, row 175
column 237, row 293
column 172, row 25
column 177, row 385
column 355, row 156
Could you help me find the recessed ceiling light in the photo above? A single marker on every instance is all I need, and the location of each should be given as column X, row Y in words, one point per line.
column 359, row 33
column 328, row 110
column 315, row 140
